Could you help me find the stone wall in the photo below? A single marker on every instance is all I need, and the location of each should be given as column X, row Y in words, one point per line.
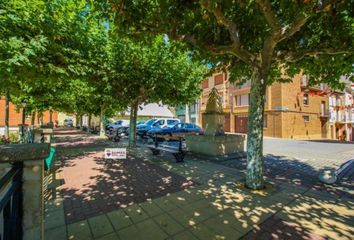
column 32, row 156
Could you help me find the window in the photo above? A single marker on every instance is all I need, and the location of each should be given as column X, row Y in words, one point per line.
column 306, row 118
column 306, row 99
column 205, row 83
column 265, row 121
column 218, row 79
column 171, row 122
column 242, row 100
column 159, row 123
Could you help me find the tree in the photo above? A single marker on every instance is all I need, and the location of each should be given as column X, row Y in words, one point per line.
column 21, row 41
column 154, row 70
column 53, row 54
column 261, row 40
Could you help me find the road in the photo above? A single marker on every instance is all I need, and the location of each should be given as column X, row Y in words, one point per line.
column 318, row 155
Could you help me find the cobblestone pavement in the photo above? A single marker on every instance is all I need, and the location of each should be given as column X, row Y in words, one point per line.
column 317, row 154
column 218, row 208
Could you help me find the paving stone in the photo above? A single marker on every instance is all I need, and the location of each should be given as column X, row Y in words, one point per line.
column 54, row 219
column 168, row 224
column 111, row 236
column 151, row 230
column 202, row 232
column 131, row 232
column 119, row 219
column 216, row 209
column 178, row 200
column 79, row 230
column 328, row 220
column 224, row 226
column 185, row 235
column 136, row 213
column 58, row 233
column 165, row 204
column 100, row 226
column 151, row 208
column 186, row 219
column 54, row 205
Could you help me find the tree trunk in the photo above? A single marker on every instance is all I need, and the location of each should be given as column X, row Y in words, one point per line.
column 89, row 121
column 81, row 120
column 7, row 115
column 187, row 114
column 77, row 120
column 40, row 118
column 102, row 126
column 255, row 165
column 132, row 124
column 33, row 118
column 50, row 116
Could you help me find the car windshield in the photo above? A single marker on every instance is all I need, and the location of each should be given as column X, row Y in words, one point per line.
column 150, row 122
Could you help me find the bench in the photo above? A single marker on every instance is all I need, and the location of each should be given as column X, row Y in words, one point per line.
column 346, row 171
column 177, row 152
column 113, row 136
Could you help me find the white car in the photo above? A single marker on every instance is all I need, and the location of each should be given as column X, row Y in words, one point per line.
column 117, row 124
column 156, row 123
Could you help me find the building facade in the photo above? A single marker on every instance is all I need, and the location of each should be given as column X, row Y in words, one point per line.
column 15, row 117
column 292, row 110
column 341, row 110
column 188, row 113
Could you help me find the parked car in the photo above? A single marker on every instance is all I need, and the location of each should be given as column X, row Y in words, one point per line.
column 139, row 122
column 68, row 122
column 156, row 123
column 177, row 128
column 117, row 124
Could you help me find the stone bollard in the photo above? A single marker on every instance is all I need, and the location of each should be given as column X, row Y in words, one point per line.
column 32, row 156
column 45, row 133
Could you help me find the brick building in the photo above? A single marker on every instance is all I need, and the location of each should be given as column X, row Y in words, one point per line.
column 15, row 117
column 341, row 111
column 292, row 110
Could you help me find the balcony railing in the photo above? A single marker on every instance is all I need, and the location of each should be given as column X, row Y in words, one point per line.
column 324, row 114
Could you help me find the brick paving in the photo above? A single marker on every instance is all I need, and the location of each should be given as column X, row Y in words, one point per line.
column 219, row 207
column 94, row 185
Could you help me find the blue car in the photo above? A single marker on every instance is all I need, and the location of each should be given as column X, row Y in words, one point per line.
column 176, row 129
column 143, row 128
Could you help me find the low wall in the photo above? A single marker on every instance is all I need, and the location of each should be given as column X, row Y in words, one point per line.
column 223, row 145
column 32, row 156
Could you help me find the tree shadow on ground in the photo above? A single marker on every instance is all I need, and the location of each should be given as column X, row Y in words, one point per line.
column 295, row 172
column 227, row 209
column 107, row 185
column 219, row 208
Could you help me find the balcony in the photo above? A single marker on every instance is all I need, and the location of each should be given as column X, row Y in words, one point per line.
column 324, row 114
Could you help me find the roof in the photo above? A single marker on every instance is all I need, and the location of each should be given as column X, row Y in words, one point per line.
column 153, row 110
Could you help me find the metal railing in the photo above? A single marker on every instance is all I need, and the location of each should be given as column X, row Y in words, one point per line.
column 11, row 203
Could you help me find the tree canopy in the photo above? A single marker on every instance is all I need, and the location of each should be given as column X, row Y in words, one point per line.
column 261, row 40
column 154, row 70
column 66, row 55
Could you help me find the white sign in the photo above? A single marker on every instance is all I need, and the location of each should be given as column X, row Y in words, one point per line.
column 115, row 153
